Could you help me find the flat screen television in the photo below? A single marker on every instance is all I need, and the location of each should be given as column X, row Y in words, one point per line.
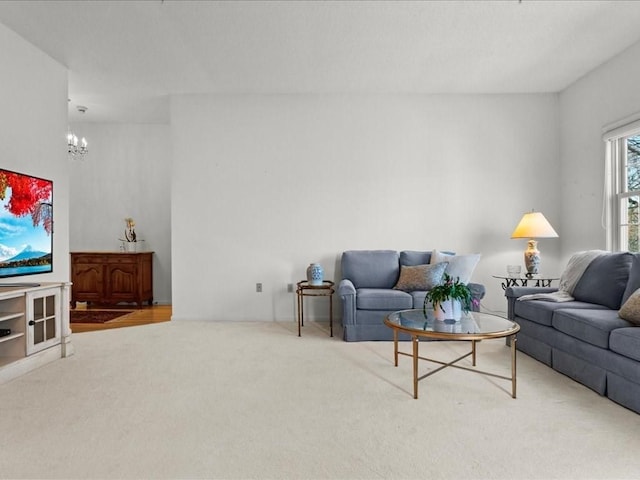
column 26, row 224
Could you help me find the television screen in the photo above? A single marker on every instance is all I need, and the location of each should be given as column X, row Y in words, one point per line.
column 26, row 224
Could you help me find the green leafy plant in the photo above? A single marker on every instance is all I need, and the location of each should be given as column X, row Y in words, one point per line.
column 450, row 289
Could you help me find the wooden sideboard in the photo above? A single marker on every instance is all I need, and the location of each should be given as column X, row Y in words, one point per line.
column 111, row 277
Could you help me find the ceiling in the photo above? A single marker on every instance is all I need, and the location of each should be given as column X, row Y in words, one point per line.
column 126, row 57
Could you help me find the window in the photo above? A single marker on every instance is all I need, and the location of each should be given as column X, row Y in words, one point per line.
column 628, row 195
column 623, row 209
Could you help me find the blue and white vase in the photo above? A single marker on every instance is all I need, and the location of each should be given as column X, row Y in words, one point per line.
column 315, row 274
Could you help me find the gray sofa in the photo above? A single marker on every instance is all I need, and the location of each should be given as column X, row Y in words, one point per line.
column 585, row 339
column 368, row 296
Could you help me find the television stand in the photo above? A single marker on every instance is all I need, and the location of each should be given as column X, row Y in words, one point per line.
column 38, row 319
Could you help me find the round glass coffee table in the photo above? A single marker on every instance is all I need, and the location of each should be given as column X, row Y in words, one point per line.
column 472, row 327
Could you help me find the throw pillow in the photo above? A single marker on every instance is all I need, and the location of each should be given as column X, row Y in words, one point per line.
column 437, row 256
column 420, row 277
column 634, row 278
column 630, row 311
column 460, row 266
column 604, row 280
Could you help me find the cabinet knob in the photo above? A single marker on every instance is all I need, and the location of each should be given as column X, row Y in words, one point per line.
column 32, row 323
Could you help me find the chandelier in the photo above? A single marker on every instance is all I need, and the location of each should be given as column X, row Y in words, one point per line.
column 75, row 148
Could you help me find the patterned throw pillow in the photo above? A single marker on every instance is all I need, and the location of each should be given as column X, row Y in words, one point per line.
column 420, row 277
column 630, row 311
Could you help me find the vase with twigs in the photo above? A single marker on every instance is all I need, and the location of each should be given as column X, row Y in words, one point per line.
column 130, row 240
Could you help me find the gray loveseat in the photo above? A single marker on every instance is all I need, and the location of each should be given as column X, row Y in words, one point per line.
column 586, row 339
column 368, row 296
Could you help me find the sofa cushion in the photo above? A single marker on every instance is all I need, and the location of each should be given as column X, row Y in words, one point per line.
column 415, row 257
column 373, row 319
column 418, row 298
column 604, row 280
column 420, row 277
column 633, row 283
column 625, row 367
column 541, row 311
column 382, row 299
column 626, row 341
column 590, row 326
column 460, row 266
column 371, row 268
column 575, row 359
column 630, row 310
column 623, row 391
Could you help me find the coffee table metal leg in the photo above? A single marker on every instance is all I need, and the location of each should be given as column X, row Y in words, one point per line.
column 513, row 366
column 395, row 347
column 414, row 340
column 331, row 314
column 473, row 352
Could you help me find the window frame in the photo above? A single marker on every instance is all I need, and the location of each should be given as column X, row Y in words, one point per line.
column 616, row 192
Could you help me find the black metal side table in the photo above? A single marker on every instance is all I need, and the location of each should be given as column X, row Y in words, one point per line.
column 536, row 281
column 305, row 290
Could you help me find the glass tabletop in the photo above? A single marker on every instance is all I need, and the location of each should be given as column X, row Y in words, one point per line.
column 471, row 324
column 525, row 277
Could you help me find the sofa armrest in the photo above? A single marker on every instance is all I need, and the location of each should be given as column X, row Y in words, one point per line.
column 477, row 293
column 346, row 287
column 513, row 293
column 519, row 291
column 347, row 292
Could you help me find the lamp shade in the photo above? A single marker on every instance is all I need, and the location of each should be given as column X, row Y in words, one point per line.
column 534, row 225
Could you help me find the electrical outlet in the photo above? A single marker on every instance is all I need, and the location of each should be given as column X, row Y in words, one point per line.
column 259, row 287
column 290, row 288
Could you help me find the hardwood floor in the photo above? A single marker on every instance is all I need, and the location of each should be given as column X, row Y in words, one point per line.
column 138, row 316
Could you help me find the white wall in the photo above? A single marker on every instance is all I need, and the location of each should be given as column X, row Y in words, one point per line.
column 33, row 124
column 125, row 174
column 263, row 185
column 606, row 95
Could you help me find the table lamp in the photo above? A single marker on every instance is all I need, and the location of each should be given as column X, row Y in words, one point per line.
column 533, row 225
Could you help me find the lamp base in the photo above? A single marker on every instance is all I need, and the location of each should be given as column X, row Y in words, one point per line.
column 532, row 258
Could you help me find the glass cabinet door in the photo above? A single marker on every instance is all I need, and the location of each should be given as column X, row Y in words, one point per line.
column 43, row 320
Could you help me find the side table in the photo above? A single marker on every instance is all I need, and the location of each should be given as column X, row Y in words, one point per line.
column 540, row 281
column 305, row 290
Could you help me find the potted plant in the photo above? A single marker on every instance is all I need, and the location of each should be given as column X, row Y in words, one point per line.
column 449, row 299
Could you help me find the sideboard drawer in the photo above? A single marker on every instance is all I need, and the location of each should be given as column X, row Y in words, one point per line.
column 76, row 259
column 124, row 258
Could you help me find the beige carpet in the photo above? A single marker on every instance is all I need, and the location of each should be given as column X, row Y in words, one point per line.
column 252, row 400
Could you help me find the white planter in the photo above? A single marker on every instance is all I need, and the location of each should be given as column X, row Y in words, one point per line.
column 451, row 310
column 130, row 247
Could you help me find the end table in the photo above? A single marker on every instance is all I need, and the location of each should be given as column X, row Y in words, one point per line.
column 540, row 281
column 305, row 290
